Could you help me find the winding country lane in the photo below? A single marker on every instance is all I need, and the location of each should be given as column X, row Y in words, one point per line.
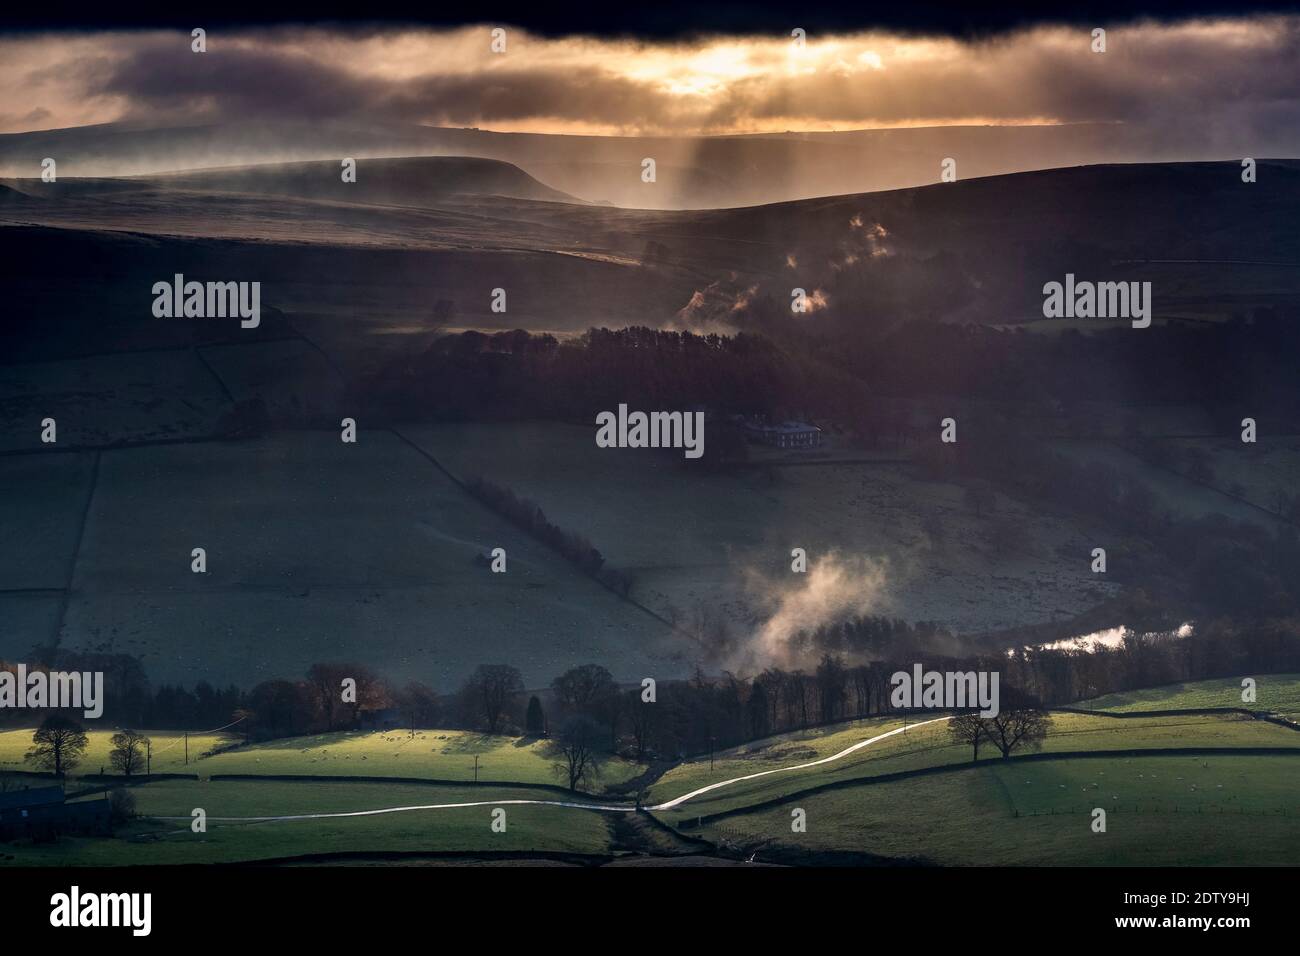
column 598, row 807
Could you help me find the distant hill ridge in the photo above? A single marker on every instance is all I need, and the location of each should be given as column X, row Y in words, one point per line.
column 412, row 181
column 693, row 172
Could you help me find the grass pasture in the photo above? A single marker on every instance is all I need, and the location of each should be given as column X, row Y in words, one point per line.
column 1174, row 493
column 1171, row 808
column 529, row 829
column 691, row 537
column 1279, row 693
column 432, row 754
column 1165, row 810
column 101, row 399
column 322, row 551
column 168, row 750
column 437, row 754
column 930, row 746
column 1256, row 472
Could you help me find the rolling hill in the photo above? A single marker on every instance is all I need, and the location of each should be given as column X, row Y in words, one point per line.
column 405, row 181
column 417, row 232
column 693, row 172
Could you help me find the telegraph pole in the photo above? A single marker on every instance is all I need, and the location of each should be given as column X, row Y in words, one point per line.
column 476, row 768
column 187, row 750
column 148, row 758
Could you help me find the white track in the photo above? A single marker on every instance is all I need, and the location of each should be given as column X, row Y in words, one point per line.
column 599, row 807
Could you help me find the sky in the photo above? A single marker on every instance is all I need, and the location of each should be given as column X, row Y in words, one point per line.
column 1229, row 72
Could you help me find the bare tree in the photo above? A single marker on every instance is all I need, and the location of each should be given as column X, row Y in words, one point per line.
column 58, row 745
column 418, row 703
column 576, row 749
column 968, row 728
column 128, row 752
column 1021, row 722
column 642, row 717
column 584, row 689
column 830, row 679
column 491, row 690
column 325, row 682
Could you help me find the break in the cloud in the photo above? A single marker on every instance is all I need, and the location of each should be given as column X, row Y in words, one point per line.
column 1239, row 72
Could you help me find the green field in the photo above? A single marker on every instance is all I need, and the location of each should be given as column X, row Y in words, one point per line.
column 434, row 754
column 437, row 754
column 155, row 841
column 1279, row 693
column 1170, row 808
column 930, row 746
column 1185, row 811
column 168, row 751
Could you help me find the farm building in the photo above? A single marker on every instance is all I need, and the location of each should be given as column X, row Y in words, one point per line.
column 784, row 434
column 44, row 813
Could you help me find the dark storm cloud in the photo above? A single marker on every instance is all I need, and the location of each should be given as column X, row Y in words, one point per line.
column 1241, row 70
column 1234, row 76
column 162, row 77
column 644, row 18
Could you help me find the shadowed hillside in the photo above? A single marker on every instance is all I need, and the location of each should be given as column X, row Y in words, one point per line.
column 693, row 172
column 427, row 240
column 408, row 181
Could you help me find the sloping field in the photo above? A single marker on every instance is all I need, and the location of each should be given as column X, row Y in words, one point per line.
column 319, row 550
column 437, row 754
column 405, row 181
column 294, row 380
column 1274, row 692
column 434, row 754
column 95, row 401
column 528, row 828
column 1213, row 811
column 40, row 522
column 31, row 620
column 1260, row 472
column 1175, row 494
column 725, row 540
column 168, row 751
column 930, row 746
column 40, row 517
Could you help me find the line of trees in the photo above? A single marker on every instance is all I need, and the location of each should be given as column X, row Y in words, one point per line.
column 475, row 376
column 585, row 714
column 860, row 375
column 59, row 746
column 528, row 515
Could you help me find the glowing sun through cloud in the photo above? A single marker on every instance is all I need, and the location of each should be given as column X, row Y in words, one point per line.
column 712, row 85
